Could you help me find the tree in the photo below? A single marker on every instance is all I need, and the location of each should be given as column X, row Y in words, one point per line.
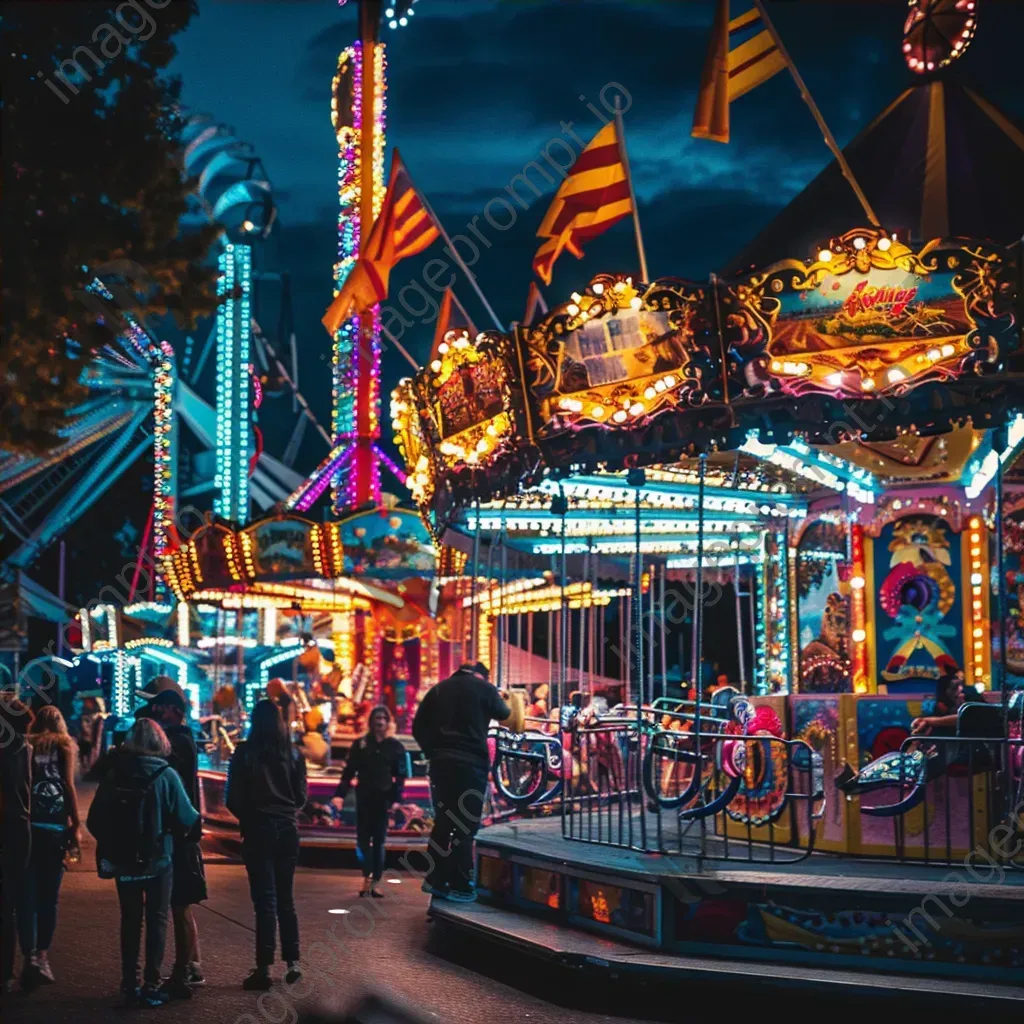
column 93, row 177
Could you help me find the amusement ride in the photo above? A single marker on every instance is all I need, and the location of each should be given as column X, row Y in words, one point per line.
column 825, row 435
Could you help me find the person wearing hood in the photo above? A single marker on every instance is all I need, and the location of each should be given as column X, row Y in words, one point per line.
column 139, row 808
column 451, row 728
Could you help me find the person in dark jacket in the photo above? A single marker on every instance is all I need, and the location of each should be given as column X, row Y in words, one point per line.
column 139, row 807
column 188, row 885
column 266, row 789
column 451, row 728
column 15, row 823
column 380, row 765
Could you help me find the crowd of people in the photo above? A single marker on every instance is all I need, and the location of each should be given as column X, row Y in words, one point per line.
column 146, row 822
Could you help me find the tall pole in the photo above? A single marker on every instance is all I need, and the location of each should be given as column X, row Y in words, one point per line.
column 638, row 478
column 698, row 604
column 624, row 156
column 805, row 95
column 1000, row 442
column 358, row 117
column 365, row 486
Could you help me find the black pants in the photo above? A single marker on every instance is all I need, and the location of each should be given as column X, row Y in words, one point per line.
column 151, row 898
column 371, row 833
column 458, row 791
column 14, row 863
column 37, row 915
column 270, row 849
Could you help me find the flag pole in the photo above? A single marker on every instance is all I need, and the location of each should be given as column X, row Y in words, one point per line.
column 401, row 348
column 809, row 100
column 624, row 156
column 458, row 259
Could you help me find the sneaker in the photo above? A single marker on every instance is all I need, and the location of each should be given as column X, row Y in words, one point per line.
column 152, row 995
column 293, row 975
column 366, row 887
column 434, row 890
column 44, row 970
column 462, row 895
column 176, row 988
column 130, row 995
column 258, row 981
column 194, row 975
column 376, row 893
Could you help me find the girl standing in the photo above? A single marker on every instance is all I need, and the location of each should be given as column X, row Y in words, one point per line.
column 381, row 765
column 56, row 830
column 266, row 789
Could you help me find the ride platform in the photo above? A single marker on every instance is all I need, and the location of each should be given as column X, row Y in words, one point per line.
column 824, row 921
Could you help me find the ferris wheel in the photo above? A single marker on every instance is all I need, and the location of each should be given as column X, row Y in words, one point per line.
column 143, row 388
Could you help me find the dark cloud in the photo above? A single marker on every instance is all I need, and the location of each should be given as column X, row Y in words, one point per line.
column 478, row 87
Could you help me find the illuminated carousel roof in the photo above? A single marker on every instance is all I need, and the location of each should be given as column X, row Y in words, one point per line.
column 940, row 161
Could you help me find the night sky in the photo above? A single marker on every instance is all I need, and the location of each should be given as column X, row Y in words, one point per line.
column 477, row 88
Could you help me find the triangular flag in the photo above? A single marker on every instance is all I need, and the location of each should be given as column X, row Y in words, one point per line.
column 403, row 228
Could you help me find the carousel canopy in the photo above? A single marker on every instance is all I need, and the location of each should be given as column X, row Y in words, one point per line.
column 938, row 162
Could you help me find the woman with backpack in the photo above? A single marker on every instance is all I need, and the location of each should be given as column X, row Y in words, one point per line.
column 266, row 789
column 139, row 807
column 55, row 832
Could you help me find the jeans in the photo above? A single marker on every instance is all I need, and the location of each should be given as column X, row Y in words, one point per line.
column 150, row 897
column 371, row 833
column 37, row 912
column 458, row 791
column 14, row 865
column 270, row 849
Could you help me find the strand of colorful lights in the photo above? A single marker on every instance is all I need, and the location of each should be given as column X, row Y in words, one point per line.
column 234, row 429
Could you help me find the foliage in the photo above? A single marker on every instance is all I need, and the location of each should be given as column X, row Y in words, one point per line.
column 92, row 175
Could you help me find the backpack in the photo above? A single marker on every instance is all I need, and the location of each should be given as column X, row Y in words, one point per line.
column 134, row 841
column 49, row 796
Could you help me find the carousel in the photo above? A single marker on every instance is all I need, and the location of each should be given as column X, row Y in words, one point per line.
column 772, row 523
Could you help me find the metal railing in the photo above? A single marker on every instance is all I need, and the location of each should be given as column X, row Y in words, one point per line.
column 678, row 779
column 949, row 796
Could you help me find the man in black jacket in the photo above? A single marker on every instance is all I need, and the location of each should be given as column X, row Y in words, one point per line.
column 169, row 708
column 451, row 728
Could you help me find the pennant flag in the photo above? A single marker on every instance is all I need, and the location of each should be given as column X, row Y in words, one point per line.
column 534, row 302
column 403, row 228
column 452, row 317
column 739, row 59
column 591, row 199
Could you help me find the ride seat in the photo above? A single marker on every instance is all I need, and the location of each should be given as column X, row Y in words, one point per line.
column 978, row 721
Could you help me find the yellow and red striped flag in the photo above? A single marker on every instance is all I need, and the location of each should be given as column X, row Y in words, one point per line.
column 403, row 228
column 591, row 199
column 739, row 59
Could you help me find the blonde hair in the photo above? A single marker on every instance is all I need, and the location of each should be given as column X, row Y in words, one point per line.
column 146, row 738
column 49, row 730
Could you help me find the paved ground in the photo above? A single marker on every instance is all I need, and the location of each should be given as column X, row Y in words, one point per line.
column 385, row 948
